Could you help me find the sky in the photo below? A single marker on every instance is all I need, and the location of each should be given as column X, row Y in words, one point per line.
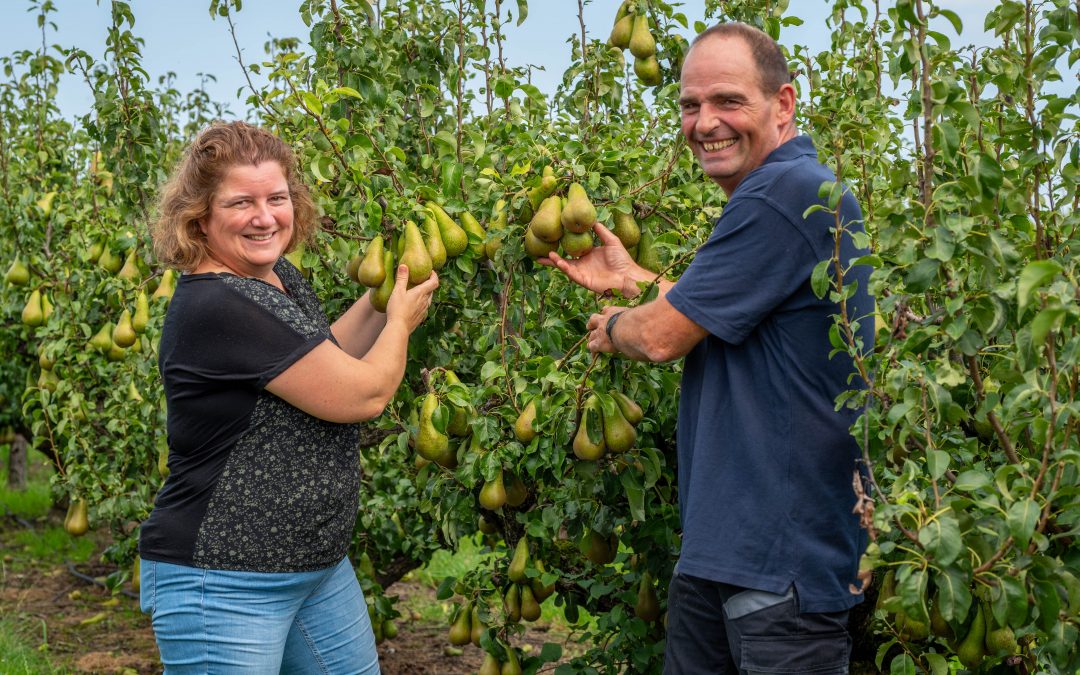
column 182, row 38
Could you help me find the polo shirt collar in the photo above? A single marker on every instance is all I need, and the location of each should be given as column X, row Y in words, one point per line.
column 793, row 149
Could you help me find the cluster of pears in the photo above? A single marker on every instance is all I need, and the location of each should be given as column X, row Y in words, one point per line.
column 37, row 309
column 631, row 30
column 558, row 222
column 605, row 429
column 423, row 248
column 522, row 597
column 639, row 243
column 112, row 340
column 431, row 444
column 77, row 521
column 491, row 665
column 505, row 489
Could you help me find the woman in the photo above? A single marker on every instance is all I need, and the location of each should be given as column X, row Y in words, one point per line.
column 243, row 558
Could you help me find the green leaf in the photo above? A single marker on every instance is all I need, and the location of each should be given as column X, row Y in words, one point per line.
column 550, row 652
column 902, row 665
column 312, row 102
column 937, row 461
column 635, row 495
column 820, row 278
column 523, row 11
column 941, row 538
column 1047, row 320
column 347, row 91
column 938, row 664
column 953, row 594
column 921, row 275
column 1022, row 518
column 1034, row 276
column 912, row 591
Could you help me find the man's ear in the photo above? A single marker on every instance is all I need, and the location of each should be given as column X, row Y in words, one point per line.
column 785, row 108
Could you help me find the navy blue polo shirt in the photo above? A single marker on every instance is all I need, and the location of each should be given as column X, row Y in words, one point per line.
column 765, row 461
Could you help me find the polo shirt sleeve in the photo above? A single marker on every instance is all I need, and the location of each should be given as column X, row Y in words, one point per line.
column 754, row 259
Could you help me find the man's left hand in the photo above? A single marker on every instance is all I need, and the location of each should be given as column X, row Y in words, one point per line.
column 597, row 327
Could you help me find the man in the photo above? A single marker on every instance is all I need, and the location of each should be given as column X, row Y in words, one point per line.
column 770, row 545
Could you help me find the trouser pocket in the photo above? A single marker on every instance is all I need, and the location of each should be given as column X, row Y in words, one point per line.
column 822, row 654
column 147, row 585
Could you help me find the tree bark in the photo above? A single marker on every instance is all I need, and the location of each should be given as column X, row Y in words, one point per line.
column 16, row 479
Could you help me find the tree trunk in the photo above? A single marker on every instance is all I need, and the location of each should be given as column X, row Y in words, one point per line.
column 17, row 463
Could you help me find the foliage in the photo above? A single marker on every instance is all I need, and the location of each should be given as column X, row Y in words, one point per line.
column 965, row 164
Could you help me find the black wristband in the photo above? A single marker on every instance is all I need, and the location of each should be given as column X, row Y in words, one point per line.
column 611, row 326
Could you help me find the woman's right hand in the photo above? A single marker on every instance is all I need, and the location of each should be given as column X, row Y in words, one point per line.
column 410, row 305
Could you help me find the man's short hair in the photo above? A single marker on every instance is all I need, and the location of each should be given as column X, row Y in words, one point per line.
column 772, row 66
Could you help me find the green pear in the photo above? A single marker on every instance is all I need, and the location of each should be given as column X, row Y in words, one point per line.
column 461, row 627
column 18, row 274
column 490, row 666
column 642, row 45
column 433, row 241
column 352, row 268
column 625, row 227
column 389, row 629
column 540, row 591
column 102, row 340
column 109, row 262
column 130, row 270
column 133, row 392
column 46, row 307
column 516, row 571
column 621, row 31
column 475, row 232
column 429, row 442
column 971, row 649
column 589, row 443
column 535, row 247
column 78, row 523
column 648, row 606
column 381, row 295
column 486, row 526
column 47, row 379
column 516, row 492
column 576, row 245
column 493, row 493
column 579, row 214
column 477, row 625
column 32, row 313
column 372, row 270
column 648, row 71
column 44, row 360
column 123, row 333
column 647, row 255
column 142, row 313
column 619, row 434
column 546, row 225
column 631, row 411
column 523, row 426
column 166, row 287
column 94, row 252
column 512, row 666
column 598, row 550
column 530, row 608
column 496, row 231
column 512, row 604
column 454, row 238
column 415, row 255
column 458, row 425
column 116, row 352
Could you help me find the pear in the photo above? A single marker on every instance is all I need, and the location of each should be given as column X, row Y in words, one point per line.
column 136, row 581
column 648, row 606
column 116, row 352
column 133, row 392
column 130, row 270
column 46, row 307
column 540, row 591
column 938, row 625
column 647, row 256
column 486, row 526
column 546, row 225
column 353, row 267
column 47, row 379
column 102, row 340
column 18, row 274
column 496, row 231
column 998, row 641
column 642, row 45
column 589, row 443
column 576, row 244
column 579, row 214
column 461, row 628
column 94, row 252
column 381, row 295
column 415, row 255
column 535, row 247
column 516, row 492
column 296, row 257
column 389, row 629
column 477, row 625
column 597, row 549
column 141, row 317
column 123, row 333
column 167, row 286
column 625, row 227
column 631, row 411
column 429, row 442
column 530, row 608
column 45, row 203
column 523, row 426
column 32, row 313
column 163, row 462
column 516, row 571
column 648, row 71
column 109, row 262
column 433, row 241
column 373, row 270
column 490, row 666
column 459, row 417
column 512, row 666
column 475, row 232
column 512, row 604
column 44, row 360
column 621, row 31
column 493, row 494
column 619, row 434
column 77, row 524
column 971, row 649
column 454, row 238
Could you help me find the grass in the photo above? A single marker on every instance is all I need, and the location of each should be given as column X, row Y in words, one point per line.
column 16, row 658
column 34, row 501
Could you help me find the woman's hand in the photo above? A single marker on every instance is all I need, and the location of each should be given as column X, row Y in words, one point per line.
column 606, row 267
column 410, row 305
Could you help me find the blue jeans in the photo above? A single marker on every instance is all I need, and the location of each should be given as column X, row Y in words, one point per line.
column 716, row 628
column 216, row 621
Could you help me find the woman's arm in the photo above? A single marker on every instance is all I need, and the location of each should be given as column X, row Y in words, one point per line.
column 358, row 328
column 335, row 386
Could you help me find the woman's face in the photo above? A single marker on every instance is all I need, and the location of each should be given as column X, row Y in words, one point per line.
column 251, row 219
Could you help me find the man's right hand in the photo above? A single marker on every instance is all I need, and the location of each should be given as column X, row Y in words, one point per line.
column 606, row 267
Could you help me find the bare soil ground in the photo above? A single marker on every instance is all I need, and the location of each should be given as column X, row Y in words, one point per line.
column 83, row 628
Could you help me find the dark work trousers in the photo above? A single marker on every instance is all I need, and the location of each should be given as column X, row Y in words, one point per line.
column 719, row 628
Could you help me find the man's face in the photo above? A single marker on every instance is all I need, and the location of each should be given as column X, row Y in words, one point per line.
column 730, row 124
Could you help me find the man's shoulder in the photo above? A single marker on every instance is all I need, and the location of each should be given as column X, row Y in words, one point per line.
column 791, row 173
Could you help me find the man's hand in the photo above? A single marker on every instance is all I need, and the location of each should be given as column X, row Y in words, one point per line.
column 597, row 327
column 606, row 267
